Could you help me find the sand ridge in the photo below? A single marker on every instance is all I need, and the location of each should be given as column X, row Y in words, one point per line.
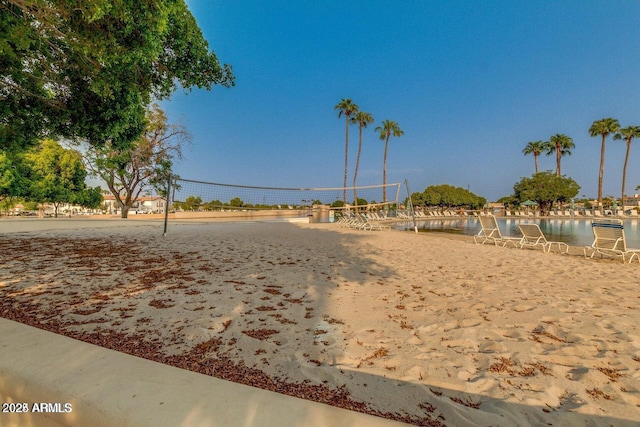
column 433, row 329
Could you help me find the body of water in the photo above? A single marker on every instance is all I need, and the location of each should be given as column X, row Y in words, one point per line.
column 574, row 232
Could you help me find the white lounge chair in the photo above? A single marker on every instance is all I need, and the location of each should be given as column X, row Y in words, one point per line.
column 532, row 236
column 490, row 232
column 609, row 239
column 363, row 223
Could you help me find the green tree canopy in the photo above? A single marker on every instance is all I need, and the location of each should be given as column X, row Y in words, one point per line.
column 508, row 200
column 445, row 195
column 58, row 174
column 191, row 203
column 545, row 188
column 90, row 197
column 88, row 69
column 236, row 202
column 13, row 175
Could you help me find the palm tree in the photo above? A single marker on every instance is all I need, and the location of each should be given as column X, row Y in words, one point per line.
column 363, row 119
column 627, row 134
column 348, row 108
column 389, row 128
column 560, row 144
column 535, row 148
column 603, row 127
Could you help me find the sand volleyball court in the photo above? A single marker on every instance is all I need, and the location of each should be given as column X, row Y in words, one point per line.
column 428, row 329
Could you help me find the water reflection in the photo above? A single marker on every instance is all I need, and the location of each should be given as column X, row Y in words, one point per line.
column 575, row 232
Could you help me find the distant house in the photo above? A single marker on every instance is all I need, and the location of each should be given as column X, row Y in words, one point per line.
column 497, row 208
column 141, row 205
column 152, row 204
column 632, row 201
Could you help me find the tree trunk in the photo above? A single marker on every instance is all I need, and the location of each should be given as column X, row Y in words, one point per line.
column 346, row 159
column 355, row 174
column 601, row 174
column 384, row 172
column 624, row 172
column 535, row 159
column 124, row 212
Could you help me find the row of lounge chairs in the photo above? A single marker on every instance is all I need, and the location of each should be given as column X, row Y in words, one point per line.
column 632, row 214
column 361, row 221
column 573, row 214
column 431, row 214
column 560, row 214
column 531, row 237
column 609, row 238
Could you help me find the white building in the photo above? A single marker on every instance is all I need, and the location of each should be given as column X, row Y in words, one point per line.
column 141, row 205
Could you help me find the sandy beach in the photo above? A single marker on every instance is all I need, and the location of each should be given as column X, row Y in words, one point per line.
column 430, row 329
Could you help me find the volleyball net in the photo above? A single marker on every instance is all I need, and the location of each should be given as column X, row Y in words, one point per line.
column 197, row 196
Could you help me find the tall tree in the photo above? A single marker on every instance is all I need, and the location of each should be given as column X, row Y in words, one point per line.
column 388, row 129
column 88, row 69
column 129, row 170
column 536, row 148
column 561, row 145
column 14, row 173
column 363, row 119
column 627, row 134
column 445, row 195
column 603, row 128
column 58, row 175
column 546, row 189
column 347, row 108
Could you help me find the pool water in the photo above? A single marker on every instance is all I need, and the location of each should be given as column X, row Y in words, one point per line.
column 574, row 232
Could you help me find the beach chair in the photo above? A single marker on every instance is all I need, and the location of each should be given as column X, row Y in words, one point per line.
column 361, row 222
column 532, row 236
column 609, row 239
column 490, row 232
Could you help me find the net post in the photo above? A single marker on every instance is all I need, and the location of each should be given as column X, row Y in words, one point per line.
column 410, row 203
column 166, row 206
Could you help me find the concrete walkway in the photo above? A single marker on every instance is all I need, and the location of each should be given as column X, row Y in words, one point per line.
column 101, row 387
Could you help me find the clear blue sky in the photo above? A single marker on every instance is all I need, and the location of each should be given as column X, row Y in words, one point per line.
column 469, row 82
